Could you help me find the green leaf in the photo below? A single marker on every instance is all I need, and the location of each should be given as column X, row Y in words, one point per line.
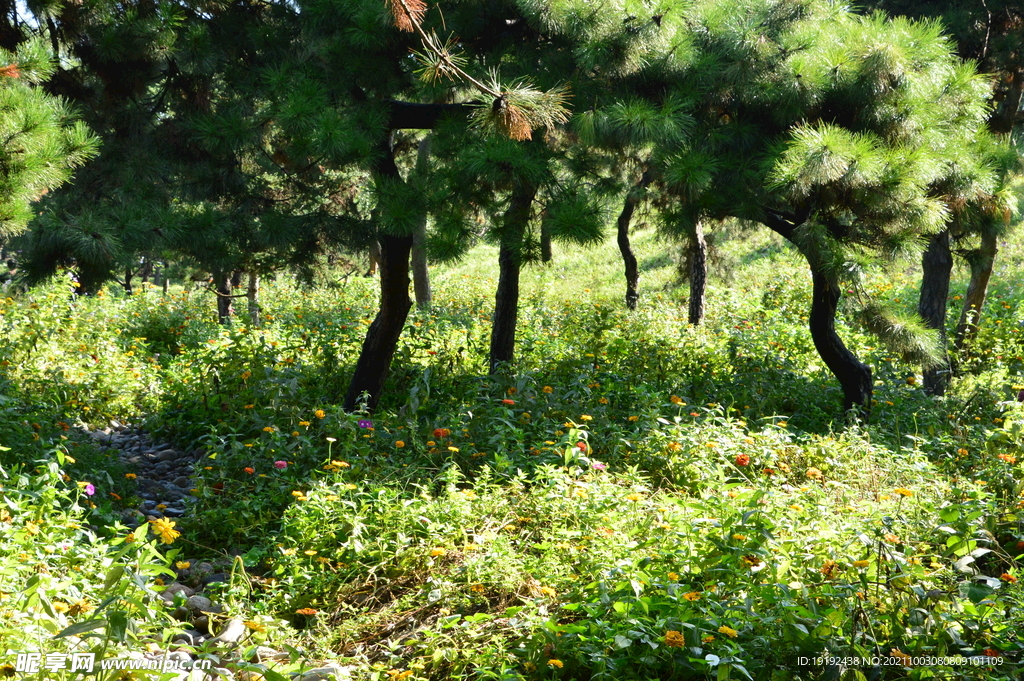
column 81, row 627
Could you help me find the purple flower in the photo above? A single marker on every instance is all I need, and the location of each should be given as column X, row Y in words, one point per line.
column 598, row 466
column 365, row 423
column 280, row 465
column 89, row 490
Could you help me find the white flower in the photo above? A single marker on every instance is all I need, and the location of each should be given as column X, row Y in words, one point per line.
column 712, row 660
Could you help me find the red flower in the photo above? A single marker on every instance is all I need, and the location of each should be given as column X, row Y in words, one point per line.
column 769, row 471
column 742, row 460
column 990, row 652
column 508, row 402
column 441, row 433
column 582, row 446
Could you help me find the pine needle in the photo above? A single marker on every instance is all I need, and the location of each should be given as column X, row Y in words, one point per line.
column 408, row 13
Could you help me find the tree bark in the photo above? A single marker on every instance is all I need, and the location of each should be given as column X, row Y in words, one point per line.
column 506, row 299
column 382, row 337
column 698, row 273
column 546, row 252
column 936, row 266
column 374, row 258
column 253, row 294
column 222, row 285
column 632, row 270
column 981, row 261
column 128, row 281
column 853, row 375
column 420, row 272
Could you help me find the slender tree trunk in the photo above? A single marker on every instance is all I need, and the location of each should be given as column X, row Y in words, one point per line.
column 506, row 299
column 1007, row 115
column 936, row 266
column 165, row 279
column 375, row 256
column 128, row 281
column 420, row 272
column 546, row 253
column 253, row 294
column 981, row 261
column 236, row 279
column 698, row 273
column 632, row 271
column 854, row 376
column 222, row 285
column 147, row 270
column 382, row 336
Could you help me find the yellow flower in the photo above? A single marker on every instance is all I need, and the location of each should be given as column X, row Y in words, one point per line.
column 547, row 389
column 708, row 639
column 728, row 631
column 633, row 418
column 310, row 552
column 673, row 639
column 861, row 563
column 673, row 576
column 350, row 486
column 183, row 565
column 635, row 497
column 437, row 552
column 586, row 417
column 692, row 596
column 431, row 443
column 60, row 606
column 269, row 429
column 130, row 476
column 303, row 423
column 555, row 663
column 256, row 626
column 903, row 492
column 295, row 433
column 548, row 591
column 797, row 507
column 320, row 413
column 740, row 537
column 399, row 444
column 288, row 552
column 675, row 399
column 164, row 528
column 453, row 449
column 813, row 473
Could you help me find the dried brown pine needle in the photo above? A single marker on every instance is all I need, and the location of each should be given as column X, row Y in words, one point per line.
column 407, row 13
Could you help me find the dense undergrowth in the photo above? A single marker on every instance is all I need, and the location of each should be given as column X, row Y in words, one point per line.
column 635, row 498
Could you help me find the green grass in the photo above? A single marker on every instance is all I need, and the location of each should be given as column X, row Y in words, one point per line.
column 636, row 499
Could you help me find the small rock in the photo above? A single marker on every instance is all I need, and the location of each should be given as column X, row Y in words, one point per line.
column 173, row 588
column 202, row 623
column 181, row 481
column 232, row 633
column 216, row 577
column 167, row 455
column 200, row 604
column 189, row 637
column 181, row 614
column 329, row 673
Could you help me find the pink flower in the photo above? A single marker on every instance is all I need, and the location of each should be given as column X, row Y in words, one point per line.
column 280, row 465
column 598, row 466
column 90, row 490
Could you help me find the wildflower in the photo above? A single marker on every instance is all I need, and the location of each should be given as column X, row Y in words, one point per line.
column 320, row 413
column 891, row 538
column 673, row 639
column 59, row 606
column 88, row 488
column 437, row 552
column 1008, row 458
column 350, row 486
column 440, row 434
column 130, row 476
column 161, row 507
column 635, row 497
column 829, row 569
column 116, row 496
column 813, row 473
column 508, row 402
column 673, row 576
column 183, row 565
column 256, row 626
column 692, row 596
column 468, row 493
column 249, row 406
column 310, row 552
column 728, row 631
column 598, row 466
column 904, row 659
column 586, row 417
column 903, row 492
column 547, row 390
column 1008, row 578
column 249, row 470
column 675, row 399
column 740, row 537
column 633, row 418
column 309, row 612
column 742, row 460
column 797, row 507
column 710, row 445
column 280, row 465
column 673, row 446
column 164, row 528
column 399, row 444
column 303, row 423
column 246, row 375
column 553, row 662
column 582, row 446
column 861, row 563
column 454, row 450
column 295, row 433
column 365, row 423
column 548, row 591
column 750, row 561
column 707, row 639
column 80, row 607
column 269, row 429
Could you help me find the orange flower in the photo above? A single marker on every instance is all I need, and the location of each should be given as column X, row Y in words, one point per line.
column 305, row 611
column 673, row 639
column 441, row 433
column 742, row 460
column 249, row 470
column 509, row 402
column 1007, row 577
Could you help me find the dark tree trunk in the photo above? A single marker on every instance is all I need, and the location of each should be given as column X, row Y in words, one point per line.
column 420, row 272
column 936, row 266
column 854, row 376
column 632, row 271
column 546, row 254
column 236, row 279
column 981, row 261
column 382, row 336
column 147, row 271
column 1007, row 114
column 165, row 279
column 698, row 273
column 253, row 294
column 506, row 299
column 222, row 286
column 128, row 281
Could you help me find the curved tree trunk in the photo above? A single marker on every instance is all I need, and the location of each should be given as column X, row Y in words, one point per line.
column 625, row 247
column 981, row 261
column 506, row 299
column 420, row 273
column 936, row 266
column 382, row 336
column 854, row 376
column 698, row 273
